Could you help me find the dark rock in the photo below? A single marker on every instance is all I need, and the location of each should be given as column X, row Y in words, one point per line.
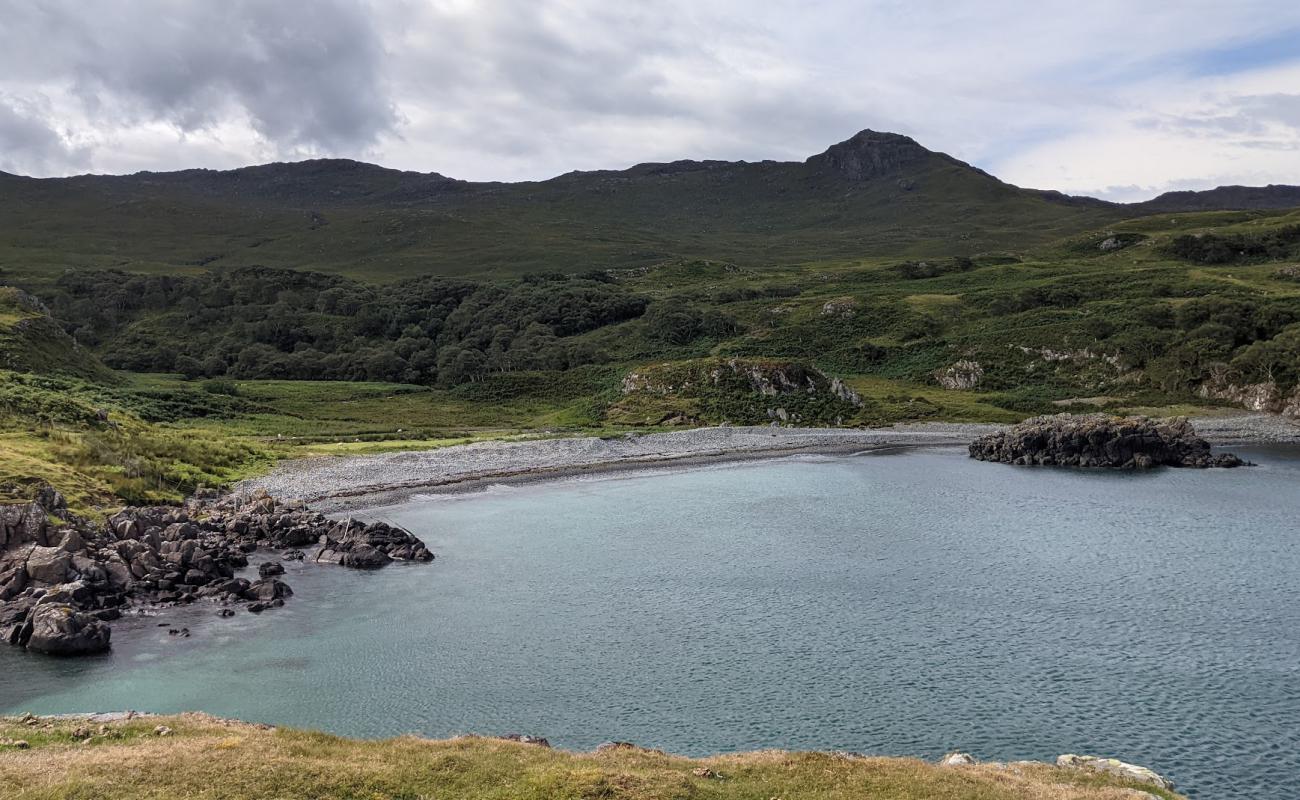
column 267, row 589
column 48, row 564
column 270, row 568
column 353, row 543
column 62, row 630
column 363, row 556
column 154, row 555
column 1099, row 440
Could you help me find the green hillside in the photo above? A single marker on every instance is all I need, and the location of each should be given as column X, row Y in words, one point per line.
column 873, row 195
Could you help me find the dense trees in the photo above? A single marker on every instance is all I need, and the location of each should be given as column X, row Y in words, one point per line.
column 267, row 323
column 1237, row 248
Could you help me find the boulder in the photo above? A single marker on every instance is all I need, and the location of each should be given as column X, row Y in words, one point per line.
column 363, row 556
column 72, row 542
column 957, row 760
column 267, row 589
column 12, row 581
column 48, row 564
column 62, row 630
column 1113, row 766
column 270, row 568
column 14, row 625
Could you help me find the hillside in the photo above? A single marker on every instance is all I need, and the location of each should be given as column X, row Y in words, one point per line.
column 873, row 195
column 1224, row 198
column 30, row 341
column 199, row 755
column 876, row 194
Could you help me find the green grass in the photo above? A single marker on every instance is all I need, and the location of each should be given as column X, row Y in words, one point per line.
column 222, row 760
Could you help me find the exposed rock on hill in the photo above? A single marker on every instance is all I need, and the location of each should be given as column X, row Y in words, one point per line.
column 872, row 154
column 1113, row 766
column 62, row 577
column 736, row 390
column 961, row 375
column 1099, row 440
column 1265, row 396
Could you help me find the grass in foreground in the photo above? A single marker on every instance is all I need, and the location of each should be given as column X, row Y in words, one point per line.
column 216, row 759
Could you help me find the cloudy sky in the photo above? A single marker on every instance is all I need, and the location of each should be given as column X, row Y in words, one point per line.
column 1115, row 98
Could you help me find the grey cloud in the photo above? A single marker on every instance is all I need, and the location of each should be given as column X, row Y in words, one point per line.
column 29, row 144
column 543, row 79
column 308, row 77
column 1238, row 116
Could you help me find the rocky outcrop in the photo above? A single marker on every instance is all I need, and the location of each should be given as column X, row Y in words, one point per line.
column 1099, row 440
column 1290, row 272
column 1131, row 773
column 353, row 543
column 1113, row 766
column 872, row 154
column 62, row 577
column 961, row 375
column 840, row 307
column 1264, row 396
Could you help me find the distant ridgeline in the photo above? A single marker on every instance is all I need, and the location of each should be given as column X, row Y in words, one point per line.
column 873, row 195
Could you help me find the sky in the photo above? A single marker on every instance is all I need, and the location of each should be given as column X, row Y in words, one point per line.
column 1116, row 99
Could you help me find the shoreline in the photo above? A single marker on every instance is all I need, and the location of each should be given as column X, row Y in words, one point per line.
column 121, row 753
column 341, row 484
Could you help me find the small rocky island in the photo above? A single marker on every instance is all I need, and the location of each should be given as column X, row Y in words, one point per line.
column 1100, row 440
column 63, row 577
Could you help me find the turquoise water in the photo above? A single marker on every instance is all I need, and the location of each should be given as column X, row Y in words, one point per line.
column 899, row 604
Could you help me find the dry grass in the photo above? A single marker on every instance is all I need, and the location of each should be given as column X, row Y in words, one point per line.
column 218, row 759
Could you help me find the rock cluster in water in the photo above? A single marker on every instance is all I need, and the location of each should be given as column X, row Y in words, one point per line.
column 1099, row 440
column 63, row 578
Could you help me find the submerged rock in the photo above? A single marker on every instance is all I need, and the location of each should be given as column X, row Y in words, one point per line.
column 1099, row 440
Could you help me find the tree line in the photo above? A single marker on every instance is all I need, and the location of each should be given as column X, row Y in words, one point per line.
column 259, row 322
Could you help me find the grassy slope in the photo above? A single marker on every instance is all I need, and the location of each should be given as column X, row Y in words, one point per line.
column 216, row 759
column 756, row 214
column 31, row 342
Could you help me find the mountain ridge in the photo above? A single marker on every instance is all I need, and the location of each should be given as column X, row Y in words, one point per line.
column 866, row 155
column 874, row 195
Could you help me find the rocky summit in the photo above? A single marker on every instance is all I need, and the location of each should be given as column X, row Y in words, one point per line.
column 1099, row 440
column 63, row 578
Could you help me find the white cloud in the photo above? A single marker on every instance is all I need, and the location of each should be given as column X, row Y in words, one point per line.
column 1080, row 97
column 1239, row 129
